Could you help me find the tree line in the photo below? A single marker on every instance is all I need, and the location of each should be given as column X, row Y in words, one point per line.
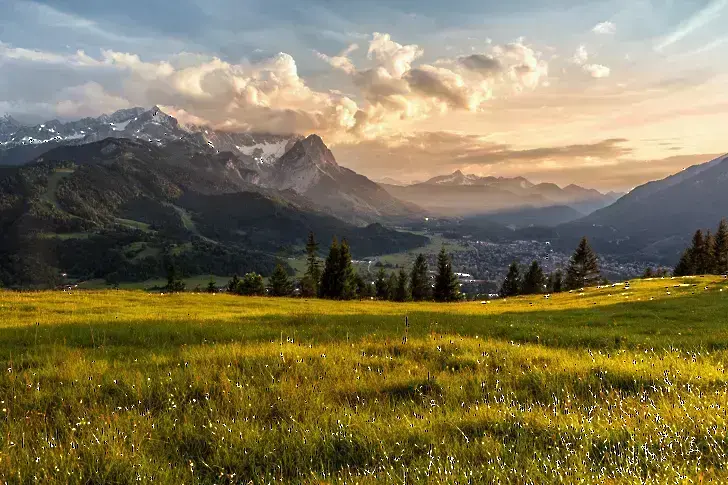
column 707, row 254
column 335, row 278
column 583, row 270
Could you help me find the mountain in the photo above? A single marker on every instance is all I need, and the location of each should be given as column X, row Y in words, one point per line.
column 303, row 166
column 659, row 218
column 460, row 194
column 530, row 216
column 655, row 221
column 123, row 209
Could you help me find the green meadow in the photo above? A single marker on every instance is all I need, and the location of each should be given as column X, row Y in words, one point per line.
column 608, row 385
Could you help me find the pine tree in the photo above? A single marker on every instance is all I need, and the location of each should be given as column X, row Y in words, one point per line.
column 347, row 275
column 686, row 265
column 174, row 281
column 512, row 283
column 534, row 280
column 446, row 288
column 720, row 250
column 556, row 282
column 697, row 253
column 402, row 293
column 252, row 285
column 233, row 285
column 583, row 268
column 279, row 282
column 211, row 285
column 707, row 261
column 420, row 286
column 329, row 287
column 312, row 278
column 392, row 287
column 381, row 286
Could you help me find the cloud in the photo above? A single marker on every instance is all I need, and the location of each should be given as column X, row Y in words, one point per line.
column 423, row 154
column 269, row 95
column 485, row 64
column 700, row 18
column 605, row 28
column 597, row 70
column 581, row 55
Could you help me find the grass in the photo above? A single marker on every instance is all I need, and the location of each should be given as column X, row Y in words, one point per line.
column 608, row 386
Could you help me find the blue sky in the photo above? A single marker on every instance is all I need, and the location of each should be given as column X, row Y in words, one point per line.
column 379, row 79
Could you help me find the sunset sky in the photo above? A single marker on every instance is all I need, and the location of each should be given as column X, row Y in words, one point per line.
column 606, row 94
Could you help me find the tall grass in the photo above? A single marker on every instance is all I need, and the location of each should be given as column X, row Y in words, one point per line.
column 608, row 386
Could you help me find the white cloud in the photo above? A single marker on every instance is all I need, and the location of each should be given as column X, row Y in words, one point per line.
column 605, row 28
column 597, row 70
column 269, row 95
column 581, row 55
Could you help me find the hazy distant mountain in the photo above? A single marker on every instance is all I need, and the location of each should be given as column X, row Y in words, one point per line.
column 530, row 216
column 460, row 194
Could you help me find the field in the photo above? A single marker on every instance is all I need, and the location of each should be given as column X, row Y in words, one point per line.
column 605, row 386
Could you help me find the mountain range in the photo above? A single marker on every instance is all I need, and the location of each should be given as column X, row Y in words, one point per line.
column 121, row 195
column 460, row 194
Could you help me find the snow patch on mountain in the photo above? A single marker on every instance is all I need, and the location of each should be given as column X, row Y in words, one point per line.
column 265, row 152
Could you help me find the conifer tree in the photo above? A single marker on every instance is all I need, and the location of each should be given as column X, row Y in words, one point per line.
column 233, row 285
column 279, row 282
column 446, row 288
column 211, row 285
column 330, row 276
column 534, row 280
column 686, row 266
column 707, row 260
column 556, row 282
column 720, row 249
column 346, row 276
column 381, row 286
column 583, row 268
column 174, row 281
column 420, row 286
column 252, row 285
column 392, row 287
column 512, row 283
column 402, row 293
column 312, row 278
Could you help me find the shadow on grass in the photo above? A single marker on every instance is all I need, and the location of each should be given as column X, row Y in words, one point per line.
column 697, row 323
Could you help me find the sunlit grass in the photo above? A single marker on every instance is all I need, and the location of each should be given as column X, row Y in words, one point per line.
column 612, row 385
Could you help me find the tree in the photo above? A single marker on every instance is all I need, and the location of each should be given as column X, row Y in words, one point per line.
column 392, row 287
column 252, row 285
column 707, row 260
column 174, row 281
column 347, row 275
column 381, row 287
column 420, row 287
column 402, row 292
column 556, row 282
column 312, row 277
column 446, row 288
column 583, row 268
column 720, row 249
column 686, row 265
column 648, row 273
column 233, row 285
column 211, row 285
column 534, row 280
column 329, row 287
column 512, row 283
column 279, row 282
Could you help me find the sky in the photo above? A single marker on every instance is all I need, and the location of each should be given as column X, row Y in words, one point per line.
column 606, row 94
